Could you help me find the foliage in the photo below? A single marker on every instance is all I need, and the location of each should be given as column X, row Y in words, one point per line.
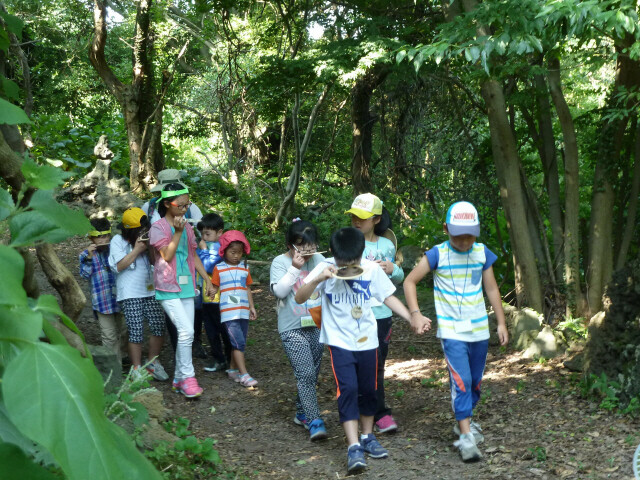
column 65, row 391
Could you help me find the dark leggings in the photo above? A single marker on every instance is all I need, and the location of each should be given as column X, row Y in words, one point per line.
column 384, row 337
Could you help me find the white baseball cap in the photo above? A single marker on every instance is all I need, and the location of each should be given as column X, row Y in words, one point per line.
column 462, row 219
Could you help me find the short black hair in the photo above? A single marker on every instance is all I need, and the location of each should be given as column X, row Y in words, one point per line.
column 301, row 232
column 170, row 187
column 384, row 224
column 211, row 221
column 347, row 245
column 100, row 224
column 132, row 234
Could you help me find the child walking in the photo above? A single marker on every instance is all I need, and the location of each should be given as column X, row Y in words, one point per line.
column 461, row 268
column 94, row 266
column 298, row 332
column 373, row 220
column 236, row 302
column 176, row 263
column 350, row 331
column 211, row 228
column 130, row 260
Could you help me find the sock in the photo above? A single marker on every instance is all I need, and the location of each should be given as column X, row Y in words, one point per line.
column 363, row 437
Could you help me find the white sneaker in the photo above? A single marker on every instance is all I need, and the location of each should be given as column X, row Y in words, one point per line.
column 137, row 374
column 466, row 445
column 157, row 371
column 475, row 429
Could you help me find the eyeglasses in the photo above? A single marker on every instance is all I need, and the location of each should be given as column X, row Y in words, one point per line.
column 182, row 207
column 310, row 250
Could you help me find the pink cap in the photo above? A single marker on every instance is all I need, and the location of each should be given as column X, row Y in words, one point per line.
column 233, row 236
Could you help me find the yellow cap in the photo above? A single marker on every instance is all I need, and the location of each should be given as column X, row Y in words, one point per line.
column 366, row 206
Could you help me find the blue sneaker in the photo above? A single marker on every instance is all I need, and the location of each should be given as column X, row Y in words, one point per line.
column 355, row 459
column 372, row 446
column 301, row 420
column 317, row 430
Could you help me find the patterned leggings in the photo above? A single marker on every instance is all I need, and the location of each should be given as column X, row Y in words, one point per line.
column 304, row 350
column 135, row 310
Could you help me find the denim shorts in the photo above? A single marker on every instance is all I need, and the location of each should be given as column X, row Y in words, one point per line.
column 237, row 330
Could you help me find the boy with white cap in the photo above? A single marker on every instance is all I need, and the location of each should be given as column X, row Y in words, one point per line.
column 461, row 268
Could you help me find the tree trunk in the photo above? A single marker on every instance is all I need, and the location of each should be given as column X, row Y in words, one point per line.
column 600, row 265
column 632, row 207
column 141, row 103
column 528, row 285
column 362, row 127
column 571, row 193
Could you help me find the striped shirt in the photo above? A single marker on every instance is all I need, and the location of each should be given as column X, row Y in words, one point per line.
column 103, row 281
column 457, row 291
column 234, row 282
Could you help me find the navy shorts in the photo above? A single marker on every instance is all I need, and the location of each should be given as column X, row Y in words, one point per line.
column 237, row 330
column 356, row 380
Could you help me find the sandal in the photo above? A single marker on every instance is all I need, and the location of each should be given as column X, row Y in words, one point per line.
column 234, row 374
column 247, row 381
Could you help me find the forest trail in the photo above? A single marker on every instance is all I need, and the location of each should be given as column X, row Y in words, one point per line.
column 535, row 424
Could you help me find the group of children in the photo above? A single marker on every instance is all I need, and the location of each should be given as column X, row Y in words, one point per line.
column 344, row 302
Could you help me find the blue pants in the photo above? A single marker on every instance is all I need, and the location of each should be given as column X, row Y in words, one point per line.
column 466, row 362
column 355, row 374
column 237, row 331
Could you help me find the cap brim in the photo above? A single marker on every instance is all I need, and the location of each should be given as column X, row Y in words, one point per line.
column 160, row 186
column 456, row 230
column 363, row 214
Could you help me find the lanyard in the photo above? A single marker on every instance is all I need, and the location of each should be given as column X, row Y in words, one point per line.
column 453, row 283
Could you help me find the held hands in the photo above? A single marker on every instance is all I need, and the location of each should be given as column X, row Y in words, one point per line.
column 503, row 334
column 419, row 323
column 210, row 288
column 253, row 315
column 386, row 266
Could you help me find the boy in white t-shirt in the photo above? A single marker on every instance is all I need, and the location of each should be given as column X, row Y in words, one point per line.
column 350, row 331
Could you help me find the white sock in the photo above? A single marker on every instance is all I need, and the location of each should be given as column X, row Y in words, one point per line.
column 363, row 437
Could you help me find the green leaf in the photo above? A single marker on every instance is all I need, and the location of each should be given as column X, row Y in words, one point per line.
column 4, row 41
column 48, row 304
column 10, row 434
column 14, row 24
column 6, row 204
column 400, row 56
column 64, row 394
column 9, row 113
column 17, row 466
column 44, row 177
column 139, row 415
column 11, row 291
column 18, row 325
column 10, row 89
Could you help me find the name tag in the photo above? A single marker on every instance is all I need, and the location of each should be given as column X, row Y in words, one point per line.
column 462, row 326
column 307, row 322
column 183, row 279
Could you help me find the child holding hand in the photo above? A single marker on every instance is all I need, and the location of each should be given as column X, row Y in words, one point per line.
column 350, row 331
column 461, row 268
column 236, row 302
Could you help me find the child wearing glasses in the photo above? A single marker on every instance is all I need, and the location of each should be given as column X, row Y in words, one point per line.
column 176, row 263
column 299, row 334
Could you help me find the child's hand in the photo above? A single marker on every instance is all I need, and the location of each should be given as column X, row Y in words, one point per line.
column 140, row 245
column 386, row 266
column 327, row 273
column 179, row 223
column 211, row 289
column 202, row 245
column 90, row 249
column 503, row 334
column 297, row 260
column 253, row 315
column 419, row 323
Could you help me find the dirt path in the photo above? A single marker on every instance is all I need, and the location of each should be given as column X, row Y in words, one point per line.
column 535, row 424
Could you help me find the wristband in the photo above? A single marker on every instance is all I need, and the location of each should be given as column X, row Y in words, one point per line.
column 415, row 311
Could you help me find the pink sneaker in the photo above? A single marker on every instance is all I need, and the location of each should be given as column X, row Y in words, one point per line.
column 386, row 424
column 189, row 387
column 234, row 374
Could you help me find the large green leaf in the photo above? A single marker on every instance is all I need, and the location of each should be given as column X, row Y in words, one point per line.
column 6, row 204
column 11, row 291
column 48, row 304
column 64, row 394
column 14, row 24
column 10, row 434
column 9, row 113
column 44, row 177
column 17, row 466
column 19, row 325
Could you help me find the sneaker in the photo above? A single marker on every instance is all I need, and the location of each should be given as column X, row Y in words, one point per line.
column 233, row 374
column 188, row 387
column 467, row 447
column 475, row 429
column 215, row 366
column 247, row 380
column 175, row 386
column 386, row 424
column 197, row 350
column 317, row 431
column 355, row 459
column 372, row 446
column 301, row 419
column 137, row 374
column 157, row 371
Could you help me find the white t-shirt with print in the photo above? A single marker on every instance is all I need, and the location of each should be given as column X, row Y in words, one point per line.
column 340, row 327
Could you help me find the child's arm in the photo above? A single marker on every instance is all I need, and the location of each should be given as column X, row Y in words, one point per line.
column 169, row 251
column 253, row 315
column 208, row 287
column 86, row 265
column 307, row 289
column 493, row 294
column 418, row 324
column 130, row 257
column 410, row 293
